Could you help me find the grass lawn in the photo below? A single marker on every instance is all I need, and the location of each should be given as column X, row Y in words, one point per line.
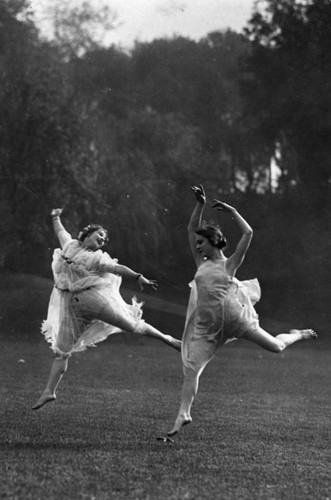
column 260, row 430
column 261, row 425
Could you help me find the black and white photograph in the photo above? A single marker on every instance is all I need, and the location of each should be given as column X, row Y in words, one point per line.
column 165, row 249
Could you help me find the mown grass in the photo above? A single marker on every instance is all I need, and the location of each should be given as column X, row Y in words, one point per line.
column 261, row 422
column 261, row 427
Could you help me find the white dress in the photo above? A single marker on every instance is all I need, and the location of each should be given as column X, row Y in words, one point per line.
column 221, row 309
column 78, row 274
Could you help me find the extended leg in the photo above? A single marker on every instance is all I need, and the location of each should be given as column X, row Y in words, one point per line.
column 150, row 331
column 59, row 367
column 279, row 342
column 129, row 325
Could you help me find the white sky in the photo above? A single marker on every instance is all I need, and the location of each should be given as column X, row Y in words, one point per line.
column 145, row 20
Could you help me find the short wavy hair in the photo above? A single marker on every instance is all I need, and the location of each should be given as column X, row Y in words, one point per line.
column 213, row 234
column 91, row 228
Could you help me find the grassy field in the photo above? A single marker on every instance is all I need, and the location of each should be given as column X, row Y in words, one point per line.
column 260, row 430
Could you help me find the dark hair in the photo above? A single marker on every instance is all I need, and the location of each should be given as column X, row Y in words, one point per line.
column 91, row 228
column 213, row 234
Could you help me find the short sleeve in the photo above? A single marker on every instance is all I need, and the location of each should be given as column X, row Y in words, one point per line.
column 107, row 262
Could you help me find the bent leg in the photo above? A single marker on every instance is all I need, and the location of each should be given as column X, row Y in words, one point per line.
column 59, row 367
column 279, row 342
column 132, row 326
column 150, row 331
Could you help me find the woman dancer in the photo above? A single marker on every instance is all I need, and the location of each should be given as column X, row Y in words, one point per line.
column 86, row 305
column 220, row 307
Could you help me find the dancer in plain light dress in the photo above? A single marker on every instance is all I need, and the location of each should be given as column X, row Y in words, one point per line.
column 86, row 306
column 221, row 308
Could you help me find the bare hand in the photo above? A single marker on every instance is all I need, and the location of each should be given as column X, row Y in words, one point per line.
column 222, row 207
column 199, row 194
column 56, row 212
column 144, row 281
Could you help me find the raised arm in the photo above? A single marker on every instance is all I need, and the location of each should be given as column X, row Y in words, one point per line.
column 60, row 231
column 236, row 259
column 195, row 220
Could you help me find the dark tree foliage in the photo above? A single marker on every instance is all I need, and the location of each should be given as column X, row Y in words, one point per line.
column 167, row 116
column 118, row 138
column 145, row 159
column 103, row 76
column 46, row 153
column 290, row 88
column 199, row 81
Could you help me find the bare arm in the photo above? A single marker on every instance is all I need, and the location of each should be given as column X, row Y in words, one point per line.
column 195, row 220
column 128, row 273
column 60, row 231
column 236, row 259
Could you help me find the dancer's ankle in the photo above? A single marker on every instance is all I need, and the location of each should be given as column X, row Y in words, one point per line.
column 180, row 422
column 44, row 399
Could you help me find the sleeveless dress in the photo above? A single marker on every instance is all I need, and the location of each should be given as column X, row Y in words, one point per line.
column 220, row 309
column 81, row 292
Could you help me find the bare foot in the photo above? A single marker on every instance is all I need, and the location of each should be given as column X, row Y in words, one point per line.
column 306, row 334
column 43, row 400
column 180, row 422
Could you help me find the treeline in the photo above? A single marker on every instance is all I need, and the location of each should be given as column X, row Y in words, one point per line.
column 118, row 138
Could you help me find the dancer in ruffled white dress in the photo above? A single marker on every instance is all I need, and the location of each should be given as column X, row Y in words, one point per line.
column 221, row 308
column 86, row 305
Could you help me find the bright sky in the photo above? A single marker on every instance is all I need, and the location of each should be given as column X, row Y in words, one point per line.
column 145, row 20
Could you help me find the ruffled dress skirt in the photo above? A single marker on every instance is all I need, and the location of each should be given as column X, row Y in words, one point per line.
column 88, row 313
column 221, row 321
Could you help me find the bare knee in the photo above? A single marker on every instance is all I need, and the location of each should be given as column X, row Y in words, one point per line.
column 265, row 340
column 278, row 347
column 61, row 364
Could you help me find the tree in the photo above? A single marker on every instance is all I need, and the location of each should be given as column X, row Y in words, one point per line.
column 47, row 155
column 145, row 160
column 290, row 89
column 77, row 30
column 103, row 77
column 200, row 82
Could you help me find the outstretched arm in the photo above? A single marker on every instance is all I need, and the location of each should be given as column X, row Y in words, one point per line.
column 236, row 259
column 128, row 273
column 195, row 220
column 59, row 229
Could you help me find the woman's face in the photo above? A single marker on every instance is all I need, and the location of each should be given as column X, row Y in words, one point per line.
column 203, row 246
column 95, row 240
